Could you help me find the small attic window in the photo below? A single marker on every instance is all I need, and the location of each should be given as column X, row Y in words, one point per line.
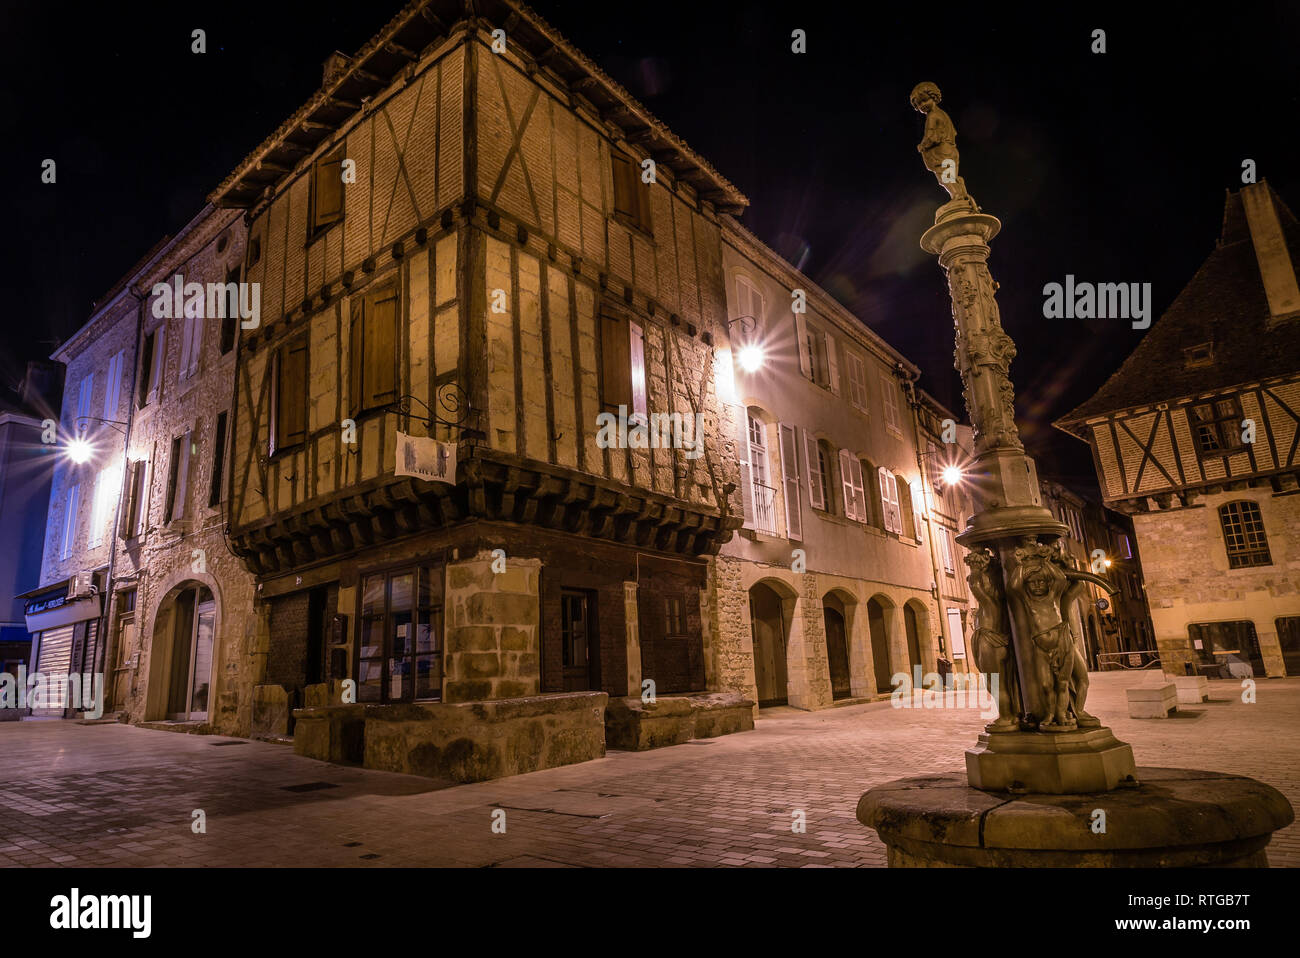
column 1199, row 355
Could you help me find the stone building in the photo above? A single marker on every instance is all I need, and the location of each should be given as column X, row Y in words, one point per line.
column 26, row 466
column 488, row 243
column 1109, row 631
column 182, row 601
column 833, row 583
column 1197, row 438
column 65, row 614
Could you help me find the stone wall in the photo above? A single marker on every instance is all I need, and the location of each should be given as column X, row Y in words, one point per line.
column 492, row 644
column 1185, row 564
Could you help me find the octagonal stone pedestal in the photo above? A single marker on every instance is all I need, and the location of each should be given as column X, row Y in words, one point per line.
column 1055, row 763
column 1176, row 818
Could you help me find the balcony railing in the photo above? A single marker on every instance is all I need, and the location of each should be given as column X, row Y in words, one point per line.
column 764, row 504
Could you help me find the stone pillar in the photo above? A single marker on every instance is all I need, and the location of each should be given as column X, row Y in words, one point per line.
column 631, row 616
column 493, row 636
column 861, row 680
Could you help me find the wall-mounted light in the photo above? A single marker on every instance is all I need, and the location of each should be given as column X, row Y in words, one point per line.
column 748, row 350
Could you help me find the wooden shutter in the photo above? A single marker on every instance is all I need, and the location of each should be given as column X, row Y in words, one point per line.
column 70, row 520
column 889, row 500
column 379, row 362
column 126, row 516
column 832, row 364
column 625, row 185
column 636, row 369
column 146, row 366
column 291, row 394
column 616, row 361
column 815, row 496
column 864, row 514
column 906, row 514
column 84, row 397
column 218, row 461
column 789, row 444
column 846, row 483
column 741, row 418
column 327, row 196
column 356, row 348
column 801, row 334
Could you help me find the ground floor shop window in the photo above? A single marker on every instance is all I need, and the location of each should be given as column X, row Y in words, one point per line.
column 399, row 654
column 1228, row 649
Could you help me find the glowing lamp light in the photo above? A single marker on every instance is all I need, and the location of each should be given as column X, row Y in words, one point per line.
column 1107, row 563
column 79, row 450
column 751, row 358
column 951, row 475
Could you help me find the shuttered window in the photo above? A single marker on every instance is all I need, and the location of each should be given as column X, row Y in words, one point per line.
column 290, row 388
column 135, row 511
column 815, row 495
column 83, row 399
column 151, row 366
column 857, row 380
column 749, row 302
column 631, row 196
column 178, row 473
column 70, row 520
column 373, row 352
column 740, row 416
column 636, row 369
column 889, row 401
column 855, row 506
column 327, row 190
column 905, row 511
column 790, row 481
column 113, row 385
column 218, row 461
column 616, row 362
column 889, row 501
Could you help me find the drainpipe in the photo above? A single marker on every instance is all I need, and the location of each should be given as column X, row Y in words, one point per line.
column 909, row 386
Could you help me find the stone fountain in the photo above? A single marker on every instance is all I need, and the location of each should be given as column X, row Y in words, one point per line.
column 1046, row 784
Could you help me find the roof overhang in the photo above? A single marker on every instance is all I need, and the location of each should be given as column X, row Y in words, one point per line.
column 405, row 40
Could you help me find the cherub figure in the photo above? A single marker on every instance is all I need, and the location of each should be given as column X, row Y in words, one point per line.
column 939, row 142
column 991, row 643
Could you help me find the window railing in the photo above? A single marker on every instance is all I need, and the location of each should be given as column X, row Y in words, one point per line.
column 764, row 499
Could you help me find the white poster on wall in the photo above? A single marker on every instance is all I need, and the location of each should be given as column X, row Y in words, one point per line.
column 425, row 458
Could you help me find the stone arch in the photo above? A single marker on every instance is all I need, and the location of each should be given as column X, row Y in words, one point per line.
column 916, row 631
column 838, row 607
column 880, row 612
column 771, row 612
column 172, row 613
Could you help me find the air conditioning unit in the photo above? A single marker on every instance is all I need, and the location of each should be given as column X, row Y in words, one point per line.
column 83, row 583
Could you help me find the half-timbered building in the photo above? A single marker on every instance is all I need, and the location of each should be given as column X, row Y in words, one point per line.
column 471, row 235
column 1197, row 437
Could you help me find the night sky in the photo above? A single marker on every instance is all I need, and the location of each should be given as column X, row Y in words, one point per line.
column 1111, row 167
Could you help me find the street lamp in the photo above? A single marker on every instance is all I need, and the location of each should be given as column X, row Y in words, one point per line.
column 749, row 351
column 952, row 475
column 79, row 450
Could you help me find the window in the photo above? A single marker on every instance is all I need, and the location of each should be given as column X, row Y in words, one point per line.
column 819, row 473
column 855, row 500
column 83, row 399
column 815, row 356
column 790, row 477
column 871, row 494
column 1202, row 354
column 230, row 322
column 1125, row 547
column 372, row 355
column 889, row 501
column 757, row 493
column 289, row 393
column 136, row 514
column 1216, row 427
column 575, row 632
column 946, row 547
column 399, row 650
column 151, row 366
column 218, row 461
column 113, row 385
column 889, row 401
column 906, row 511
column 70, row 520
column 100, row 507
column 918, row 506
column 1243, row 535
column 857, row 381
column 622, row 346
column 191, row 343
column 631, row 196
column 326, row 191
column 674, row 616
column 749, row 302
column 178, row 470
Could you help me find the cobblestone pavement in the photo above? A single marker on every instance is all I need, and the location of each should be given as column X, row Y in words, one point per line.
column 89, row 795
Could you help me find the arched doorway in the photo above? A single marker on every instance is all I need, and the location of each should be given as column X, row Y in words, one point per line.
column 837, row 646
column 879, row 645
column 181, row 661
column 913, row 628
column 771, row 642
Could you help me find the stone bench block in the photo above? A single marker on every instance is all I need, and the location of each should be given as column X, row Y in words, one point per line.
column 330, row 733
column 721, row 713
column 270, row 712
column 1192, row 689
column 635, row 726
column 477, row 741
column 1152, row 701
